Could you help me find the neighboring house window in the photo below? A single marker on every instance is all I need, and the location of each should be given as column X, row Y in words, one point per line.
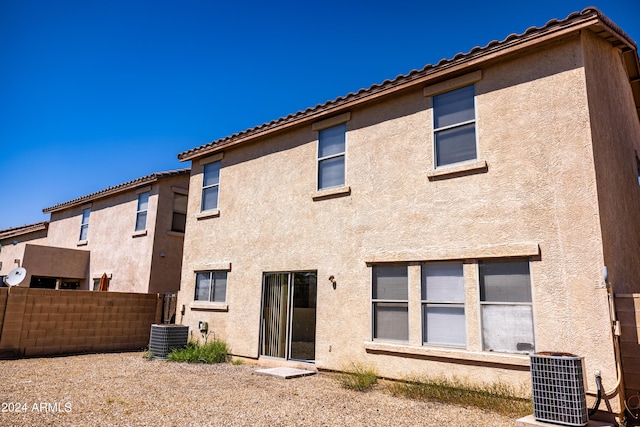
column 443, row 316
column 505, row 299
column 210, row 184
column 179, row 220
column 141, row 213
column 211, row 286
column 331, row 156
column 84, row 227
column 454, row 126
column 390, row 302
column 96, row 284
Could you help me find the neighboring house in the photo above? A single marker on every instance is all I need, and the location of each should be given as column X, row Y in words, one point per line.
column 447, row 222
column 133, row 233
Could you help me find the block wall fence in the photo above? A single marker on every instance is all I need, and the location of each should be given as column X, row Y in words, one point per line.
column 39, row 322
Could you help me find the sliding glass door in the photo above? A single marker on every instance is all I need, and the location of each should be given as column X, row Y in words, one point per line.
column 288, row 329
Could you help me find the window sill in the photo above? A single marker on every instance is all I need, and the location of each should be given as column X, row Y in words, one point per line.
column 82, row 243
column 175, row 233
column 208, row 214
column 211, row 306
column 139, row 233
column 330, row 193
column 453, row 171
column 518, row 360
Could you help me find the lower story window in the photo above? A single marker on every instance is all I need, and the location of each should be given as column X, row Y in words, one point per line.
column 211, row 286
column 505, row 299
column 390, row 301
column 443, row 295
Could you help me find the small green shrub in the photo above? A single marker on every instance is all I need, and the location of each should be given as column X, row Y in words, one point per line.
column 213, row 352
column 358, row 377
column 237, row 362
column 499, row 397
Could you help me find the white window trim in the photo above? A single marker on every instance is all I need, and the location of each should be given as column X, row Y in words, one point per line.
column 458, row 304
column 209, row 303
column 139, row 211
column 483, row 303
column 435, row 131
column 84, row 225
column 448, row 86
column 336, row 190
column 210, row 212
column 373, row 301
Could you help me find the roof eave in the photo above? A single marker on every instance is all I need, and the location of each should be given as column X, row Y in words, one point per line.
column 127, row 186
column 512, row 45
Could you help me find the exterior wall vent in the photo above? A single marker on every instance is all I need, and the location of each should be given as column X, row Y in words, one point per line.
column 558, row 382
column 165, row 338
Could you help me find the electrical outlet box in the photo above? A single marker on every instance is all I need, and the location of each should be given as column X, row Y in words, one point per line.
column 203, row 326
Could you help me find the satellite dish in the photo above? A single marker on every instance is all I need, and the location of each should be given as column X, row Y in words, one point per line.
column 15, row 276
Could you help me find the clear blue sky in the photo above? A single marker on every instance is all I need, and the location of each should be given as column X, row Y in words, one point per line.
column 96, row 93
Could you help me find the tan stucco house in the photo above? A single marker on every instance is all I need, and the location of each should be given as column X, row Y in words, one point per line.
column 447, row 222
column 133, row 233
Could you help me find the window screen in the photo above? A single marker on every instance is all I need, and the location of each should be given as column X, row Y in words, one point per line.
column 454, row 126
column 507, row 313
column 390, row 293
column 443, row 312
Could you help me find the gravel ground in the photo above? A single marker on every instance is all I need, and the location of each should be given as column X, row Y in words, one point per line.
column 125, row 389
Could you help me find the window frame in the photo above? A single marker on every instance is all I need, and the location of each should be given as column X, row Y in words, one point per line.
column 211, row 286
column 375, row 301
column 483, row 303
column 139, row 211
column 457, row 125
column 84, row 226
column 341, row 154
column 207, row 187
column 174, row 212
column 425, row 302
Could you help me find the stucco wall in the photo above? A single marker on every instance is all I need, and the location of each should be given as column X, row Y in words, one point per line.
column 9, row 251
column 616, row 139
column 116, row 248
column 47, row 261
column 538, row 190
column 166, row 260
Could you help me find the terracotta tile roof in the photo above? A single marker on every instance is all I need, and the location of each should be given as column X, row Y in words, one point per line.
column 23, row 229
column 117, row 189
column 589, row 17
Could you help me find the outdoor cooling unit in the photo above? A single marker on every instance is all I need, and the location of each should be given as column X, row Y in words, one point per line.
column 165, row 338
column 558, row 389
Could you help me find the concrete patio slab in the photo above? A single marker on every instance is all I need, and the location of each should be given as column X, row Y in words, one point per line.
column 285, row 373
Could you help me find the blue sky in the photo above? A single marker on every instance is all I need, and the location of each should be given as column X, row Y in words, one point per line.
column 96, row 93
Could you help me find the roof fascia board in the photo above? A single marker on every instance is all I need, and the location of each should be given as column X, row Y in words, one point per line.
column 450, row 69
column 100, row 195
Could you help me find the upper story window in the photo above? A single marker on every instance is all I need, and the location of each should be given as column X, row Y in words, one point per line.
column 454, row 126
column 331, row 156
column 390, row 302
column 506, row 309
column 84, row 227
column 443, row 296
column 211, row 286
column 141, row 212
column 179, row 220
column 210, row 184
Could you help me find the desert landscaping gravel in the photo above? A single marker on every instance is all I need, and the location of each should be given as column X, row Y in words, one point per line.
column 125, row 389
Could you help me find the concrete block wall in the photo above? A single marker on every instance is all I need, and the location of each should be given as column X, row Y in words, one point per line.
column 628, row 311
column 40, row 322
